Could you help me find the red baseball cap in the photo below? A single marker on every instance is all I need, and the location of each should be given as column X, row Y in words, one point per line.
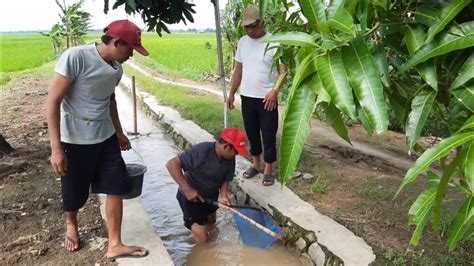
column 236, row 138
column 128, row 32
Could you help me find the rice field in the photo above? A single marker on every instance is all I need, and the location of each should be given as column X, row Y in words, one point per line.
column 24, row 51
column 185, row 55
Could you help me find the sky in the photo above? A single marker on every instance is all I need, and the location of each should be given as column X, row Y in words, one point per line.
column 33, row 15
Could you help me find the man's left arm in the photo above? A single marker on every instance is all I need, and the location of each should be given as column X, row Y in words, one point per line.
column 123, row 141
column 224, row 193
column 271, row 99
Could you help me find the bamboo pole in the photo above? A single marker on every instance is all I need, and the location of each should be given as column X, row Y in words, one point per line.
column 134, row 100
column 248, row 219
column 220, row 58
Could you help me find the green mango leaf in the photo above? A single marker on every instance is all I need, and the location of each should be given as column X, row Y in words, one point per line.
column 468, row 125
column 424, row 201
column 420, row 109
column 434, row 153
column 296, row 129
column 364, row 78
column 463, row 220
column 378, row 51
column 334, row 6
column 305, row 68
column 469, row 166
column 385, row 4
column 465, row 95
column 363, row 14
column 317, row 88
column 454, row 39
column 333, row 116
column 131, row 4
column 443, row 186
column 420, row 225
column 445, row 16
column 333, row 75
column 465, row 74
column 314, row 11
column 366, row 122
column 415, row 38
column 426, row 15
column 292, row 38
column 342, row 21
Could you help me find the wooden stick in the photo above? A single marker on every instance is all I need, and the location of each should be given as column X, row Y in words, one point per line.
column 248, row 219
column 134, row 100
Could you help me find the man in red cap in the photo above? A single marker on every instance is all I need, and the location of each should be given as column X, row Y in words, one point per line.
column 203, row 173
column 85, row 131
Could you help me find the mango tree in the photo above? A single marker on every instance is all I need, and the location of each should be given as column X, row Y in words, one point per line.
column 361, row 60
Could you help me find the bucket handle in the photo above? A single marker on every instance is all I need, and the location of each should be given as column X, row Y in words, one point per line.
column 140, row 157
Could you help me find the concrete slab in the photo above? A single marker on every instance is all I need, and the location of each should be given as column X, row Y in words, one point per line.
column 138, row 230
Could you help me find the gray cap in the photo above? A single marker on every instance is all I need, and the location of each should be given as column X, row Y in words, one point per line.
column 251, row 14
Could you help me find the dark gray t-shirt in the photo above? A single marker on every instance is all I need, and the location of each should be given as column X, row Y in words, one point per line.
column 204, row 171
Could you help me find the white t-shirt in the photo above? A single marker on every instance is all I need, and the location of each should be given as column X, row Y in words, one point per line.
column 257, row 76
column 85, row 110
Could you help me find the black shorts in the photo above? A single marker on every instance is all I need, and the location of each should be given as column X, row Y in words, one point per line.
column 99, row 167
column 194, row 212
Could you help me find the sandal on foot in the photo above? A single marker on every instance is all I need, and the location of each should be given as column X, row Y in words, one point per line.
column 268, row 179
column 76, row 242
column 250, row 172
column 129, row 254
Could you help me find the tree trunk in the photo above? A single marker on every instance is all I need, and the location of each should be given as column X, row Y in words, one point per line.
column 4, row 146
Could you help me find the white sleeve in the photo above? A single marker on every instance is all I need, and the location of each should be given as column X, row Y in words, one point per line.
column 238, row 56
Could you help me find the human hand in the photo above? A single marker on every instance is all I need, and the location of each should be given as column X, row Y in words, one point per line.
column 270, row 100
column 230, row 101
column 224, row 199
column 192, row 195
column 123, row 142
column 58, row 162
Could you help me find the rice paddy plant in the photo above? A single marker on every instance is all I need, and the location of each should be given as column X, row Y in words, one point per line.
column 24, row 51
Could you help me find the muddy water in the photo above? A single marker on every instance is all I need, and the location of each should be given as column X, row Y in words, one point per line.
column 159, row 191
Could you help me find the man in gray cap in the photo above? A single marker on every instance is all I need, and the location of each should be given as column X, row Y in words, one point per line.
column 256, row 78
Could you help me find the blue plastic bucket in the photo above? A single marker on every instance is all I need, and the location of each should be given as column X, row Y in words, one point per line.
column 136, row 173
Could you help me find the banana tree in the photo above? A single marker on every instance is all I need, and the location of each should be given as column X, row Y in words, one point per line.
column 361, row 59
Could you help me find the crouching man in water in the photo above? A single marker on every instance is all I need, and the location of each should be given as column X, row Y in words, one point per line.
column 204, row 172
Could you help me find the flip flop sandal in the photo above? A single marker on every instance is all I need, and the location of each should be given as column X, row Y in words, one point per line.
column 77, row 242
column 268, row 179
column 129, row 254
column 250, row 172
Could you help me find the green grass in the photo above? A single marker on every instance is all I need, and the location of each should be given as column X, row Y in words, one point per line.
column 322, row 183
column 25, row 51
column 372, row 191
column 45, row 71
column 184, row 55
column 204, row 109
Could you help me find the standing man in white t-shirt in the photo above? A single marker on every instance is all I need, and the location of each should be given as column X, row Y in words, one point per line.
column 85, row 131
column 254, row 74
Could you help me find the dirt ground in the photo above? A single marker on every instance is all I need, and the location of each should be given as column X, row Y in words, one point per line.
column 31, row 220
column 357, row 191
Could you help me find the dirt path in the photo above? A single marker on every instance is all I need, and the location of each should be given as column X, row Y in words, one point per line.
column 31, row 220
column 355, row 186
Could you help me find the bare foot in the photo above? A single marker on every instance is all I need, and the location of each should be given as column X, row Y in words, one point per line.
column 125, row 251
